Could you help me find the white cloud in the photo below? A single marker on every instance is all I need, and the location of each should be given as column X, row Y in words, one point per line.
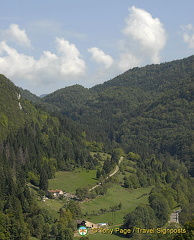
column 70, row 60
column 146, row 31
column 189, row 27
column 49, row 68
column 189, row 39
column 100, row 57
column 143, row 38
column 13, row 63
column 127, row 61
column 188, row 35
column 15, row 34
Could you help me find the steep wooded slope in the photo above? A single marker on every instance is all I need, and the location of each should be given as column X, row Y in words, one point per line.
column 148, row 109
column 13, row 109
column 34, row 145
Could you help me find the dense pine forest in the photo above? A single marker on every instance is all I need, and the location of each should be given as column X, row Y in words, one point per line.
column 34, row 145
column 145, row 115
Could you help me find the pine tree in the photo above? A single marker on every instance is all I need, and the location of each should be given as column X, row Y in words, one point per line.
column 43, row 180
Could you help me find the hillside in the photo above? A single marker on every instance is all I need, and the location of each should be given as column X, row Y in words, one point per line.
column 34, row 145
column 155, row 77
column 144, row 116
column 14, row 110
column 147, row 110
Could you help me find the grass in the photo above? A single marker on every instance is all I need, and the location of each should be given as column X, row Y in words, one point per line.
column 129, row 198
column 52, row 205
column 70, row 181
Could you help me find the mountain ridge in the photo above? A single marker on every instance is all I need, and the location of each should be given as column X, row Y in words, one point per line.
column 152, row 128
column 143, row 108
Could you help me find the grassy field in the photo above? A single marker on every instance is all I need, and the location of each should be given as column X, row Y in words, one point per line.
column 52, row 205
column 70, row 181
column 116, row 194
column 129, row 198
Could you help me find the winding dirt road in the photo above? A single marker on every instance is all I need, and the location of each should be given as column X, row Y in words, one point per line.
column 110, row 175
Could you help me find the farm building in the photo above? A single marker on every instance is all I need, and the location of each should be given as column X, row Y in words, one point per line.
column 87, row 224
column 54, row 193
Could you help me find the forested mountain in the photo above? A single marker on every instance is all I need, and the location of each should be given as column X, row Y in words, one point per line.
column 145, row 114
column 34, row 145
column 29, row 96
column 147, row 110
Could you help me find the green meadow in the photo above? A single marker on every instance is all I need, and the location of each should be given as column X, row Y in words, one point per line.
column 116, row 194
column 70, row 181
column 52, row 205
column 129, row 199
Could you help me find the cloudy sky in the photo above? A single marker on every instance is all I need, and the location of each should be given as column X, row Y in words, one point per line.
column 47, row 45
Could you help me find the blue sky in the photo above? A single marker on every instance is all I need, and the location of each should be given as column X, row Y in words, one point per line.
column 47, row 45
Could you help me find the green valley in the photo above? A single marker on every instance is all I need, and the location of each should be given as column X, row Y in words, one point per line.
column 120, row 154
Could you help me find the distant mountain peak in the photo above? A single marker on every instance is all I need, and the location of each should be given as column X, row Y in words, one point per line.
column 43, row 95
